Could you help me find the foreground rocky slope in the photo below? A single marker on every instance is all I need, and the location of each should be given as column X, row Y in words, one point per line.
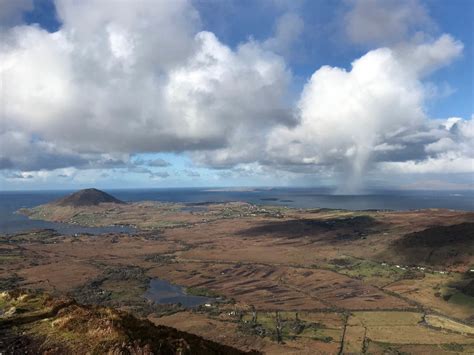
column 33, row 322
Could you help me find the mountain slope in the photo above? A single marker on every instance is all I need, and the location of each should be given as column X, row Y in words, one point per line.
column 437, row 246
column 39, row 324
column 87, row 197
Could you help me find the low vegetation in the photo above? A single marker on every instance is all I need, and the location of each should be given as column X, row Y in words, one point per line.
column 38, row 323
column 201, row 291
column 285, row 326
column 377, row 273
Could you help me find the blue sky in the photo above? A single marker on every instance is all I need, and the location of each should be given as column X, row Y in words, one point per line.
column 226, row 94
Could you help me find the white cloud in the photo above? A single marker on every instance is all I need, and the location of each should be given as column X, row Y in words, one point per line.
column 383, row 22
column 158, row 162
column 345, row 115
column 11, row 11
column 289, row 28
column 374, row 111
column 446, row 162
column 448, row 148
column 191, row 173
column 424, row 58
column 220, row 92
column 136, row 77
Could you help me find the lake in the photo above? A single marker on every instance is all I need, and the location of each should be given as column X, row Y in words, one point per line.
column 163, row 292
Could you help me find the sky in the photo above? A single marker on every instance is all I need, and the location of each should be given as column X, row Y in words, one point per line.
column 350, row 94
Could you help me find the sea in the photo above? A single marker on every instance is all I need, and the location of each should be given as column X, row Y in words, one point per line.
column 12, row 222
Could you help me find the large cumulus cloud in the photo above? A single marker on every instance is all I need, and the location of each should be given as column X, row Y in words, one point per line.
column 347, row 117
column 136, row 77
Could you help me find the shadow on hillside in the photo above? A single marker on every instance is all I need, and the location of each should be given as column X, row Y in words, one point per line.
column 437, row 245
column 340, row 229
column 438, row 236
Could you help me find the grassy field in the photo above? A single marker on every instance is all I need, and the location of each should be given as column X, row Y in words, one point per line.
column 430, row 292
column 448, row 324
column 396, row 318
column 373, row 272
column 398, row 328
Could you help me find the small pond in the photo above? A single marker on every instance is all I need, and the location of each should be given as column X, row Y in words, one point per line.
column 163, row 292
column 191, row 208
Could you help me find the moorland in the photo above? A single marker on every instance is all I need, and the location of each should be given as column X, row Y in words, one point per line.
column 281, row 280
